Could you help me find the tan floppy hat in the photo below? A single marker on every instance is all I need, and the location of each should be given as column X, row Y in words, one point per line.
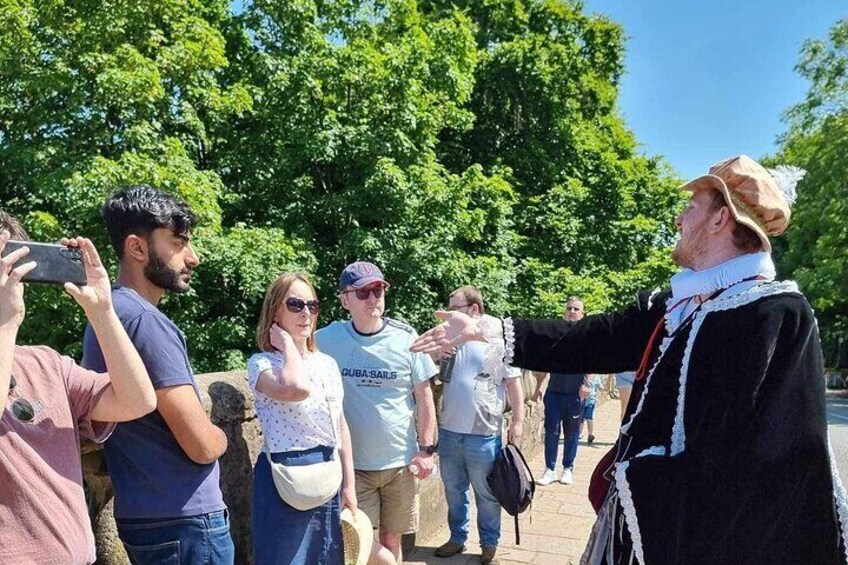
column 751, row 193
column 358, row 537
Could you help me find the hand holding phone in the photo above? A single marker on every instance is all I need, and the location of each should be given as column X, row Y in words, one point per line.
column 55, row 264
column 95, row 294
column 74, row 263
column 11, row 290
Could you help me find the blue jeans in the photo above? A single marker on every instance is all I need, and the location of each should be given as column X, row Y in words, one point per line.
column 466, row 459
column 191, row 540
column 562, row 410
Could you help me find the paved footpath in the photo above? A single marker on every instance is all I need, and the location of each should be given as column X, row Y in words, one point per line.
column 555, row 531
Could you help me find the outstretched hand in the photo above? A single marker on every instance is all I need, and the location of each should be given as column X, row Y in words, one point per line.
column 456, row 330
column 95, row 296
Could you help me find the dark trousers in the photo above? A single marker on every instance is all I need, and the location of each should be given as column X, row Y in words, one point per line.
column 562, row 410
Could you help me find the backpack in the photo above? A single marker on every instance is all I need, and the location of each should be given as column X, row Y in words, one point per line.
column 512, row 484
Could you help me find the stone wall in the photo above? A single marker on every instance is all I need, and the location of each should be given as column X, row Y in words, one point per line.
column 229, row 403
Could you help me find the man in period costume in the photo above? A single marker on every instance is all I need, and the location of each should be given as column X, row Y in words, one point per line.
column 723, row 454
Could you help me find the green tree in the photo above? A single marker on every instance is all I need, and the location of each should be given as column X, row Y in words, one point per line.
column 450, row 142
column 813, row 250
column 545, row 108
column 340, row 149
column 94, row 95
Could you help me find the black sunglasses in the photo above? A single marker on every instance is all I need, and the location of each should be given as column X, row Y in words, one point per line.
column 296, row 305
column 21, row 407
column 364, row 293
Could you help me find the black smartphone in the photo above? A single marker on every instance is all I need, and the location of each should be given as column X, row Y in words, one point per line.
column 56, row 264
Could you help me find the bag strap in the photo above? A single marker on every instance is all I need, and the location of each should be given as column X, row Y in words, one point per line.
column 517, row 534
column 532, row 481
column 523, row 460
column 267, row 450
column 333, row 417
column 642, row 371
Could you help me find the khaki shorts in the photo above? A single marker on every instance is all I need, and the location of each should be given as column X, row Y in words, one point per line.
column 389, row 498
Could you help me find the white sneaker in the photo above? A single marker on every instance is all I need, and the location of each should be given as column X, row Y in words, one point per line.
column 548, row 477
column 567, row 476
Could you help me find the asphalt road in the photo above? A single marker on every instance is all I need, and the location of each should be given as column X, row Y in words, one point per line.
column 837, row 423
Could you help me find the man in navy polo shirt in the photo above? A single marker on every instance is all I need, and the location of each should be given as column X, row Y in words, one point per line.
column 563, row 410
column 168, row 502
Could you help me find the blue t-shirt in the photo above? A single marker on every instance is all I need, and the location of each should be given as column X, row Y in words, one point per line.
column 378, row 373
column 151, row 474
column 595, row 385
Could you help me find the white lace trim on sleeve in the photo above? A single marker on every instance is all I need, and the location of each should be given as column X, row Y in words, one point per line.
column 500, row 337
column 509, row 340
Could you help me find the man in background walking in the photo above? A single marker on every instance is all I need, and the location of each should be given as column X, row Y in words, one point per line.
column 563, row 411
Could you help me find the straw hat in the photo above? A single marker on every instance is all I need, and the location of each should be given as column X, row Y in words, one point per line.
column 758, row 198
column 358, row 537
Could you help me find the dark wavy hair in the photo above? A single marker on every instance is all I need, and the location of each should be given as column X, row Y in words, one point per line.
column 141, row 209
column 13, row 226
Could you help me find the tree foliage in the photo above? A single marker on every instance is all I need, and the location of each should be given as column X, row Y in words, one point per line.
column 815, row 248
column 449, row 142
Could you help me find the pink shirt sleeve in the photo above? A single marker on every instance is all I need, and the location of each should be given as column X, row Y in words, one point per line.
column 84, row 391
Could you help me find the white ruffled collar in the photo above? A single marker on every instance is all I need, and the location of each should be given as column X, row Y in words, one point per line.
column 688, row 283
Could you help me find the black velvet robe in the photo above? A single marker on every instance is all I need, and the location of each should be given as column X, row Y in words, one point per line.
column 726, row 456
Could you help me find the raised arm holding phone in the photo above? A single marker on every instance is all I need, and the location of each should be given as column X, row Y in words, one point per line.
column 50, row 402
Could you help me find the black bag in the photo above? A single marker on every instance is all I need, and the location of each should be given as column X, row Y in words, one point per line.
column 511, row 481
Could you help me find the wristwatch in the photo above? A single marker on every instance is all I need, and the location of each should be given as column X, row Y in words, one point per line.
column 428, row 449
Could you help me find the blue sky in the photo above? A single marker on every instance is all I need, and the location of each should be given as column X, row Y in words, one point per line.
column 707, row 79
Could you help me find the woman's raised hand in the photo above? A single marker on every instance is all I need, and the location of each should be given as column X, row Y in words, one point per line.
column 281, row 340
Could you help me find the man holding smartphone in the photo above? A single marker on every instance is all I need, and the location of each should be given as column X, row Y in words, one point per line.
column 164, row 466
column 50, row 402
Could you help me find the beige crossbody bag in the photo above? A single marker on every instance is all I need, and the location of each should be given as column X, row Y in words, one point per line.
column 309, row 486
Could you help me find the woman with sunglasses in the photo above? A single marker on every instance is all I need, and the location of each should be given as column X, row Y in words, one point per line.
column 298, row 399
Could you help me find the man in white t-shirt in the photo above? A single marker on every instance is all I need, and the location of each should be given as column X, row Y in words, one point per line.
column 385, row 387
column 470, row 434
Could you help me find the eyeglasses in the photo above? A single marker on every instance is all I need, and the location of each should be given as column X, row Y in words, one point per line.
column 457, row 307
column 296, row 305
column 573, row 309
column 21, row 407
column 364, row 293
